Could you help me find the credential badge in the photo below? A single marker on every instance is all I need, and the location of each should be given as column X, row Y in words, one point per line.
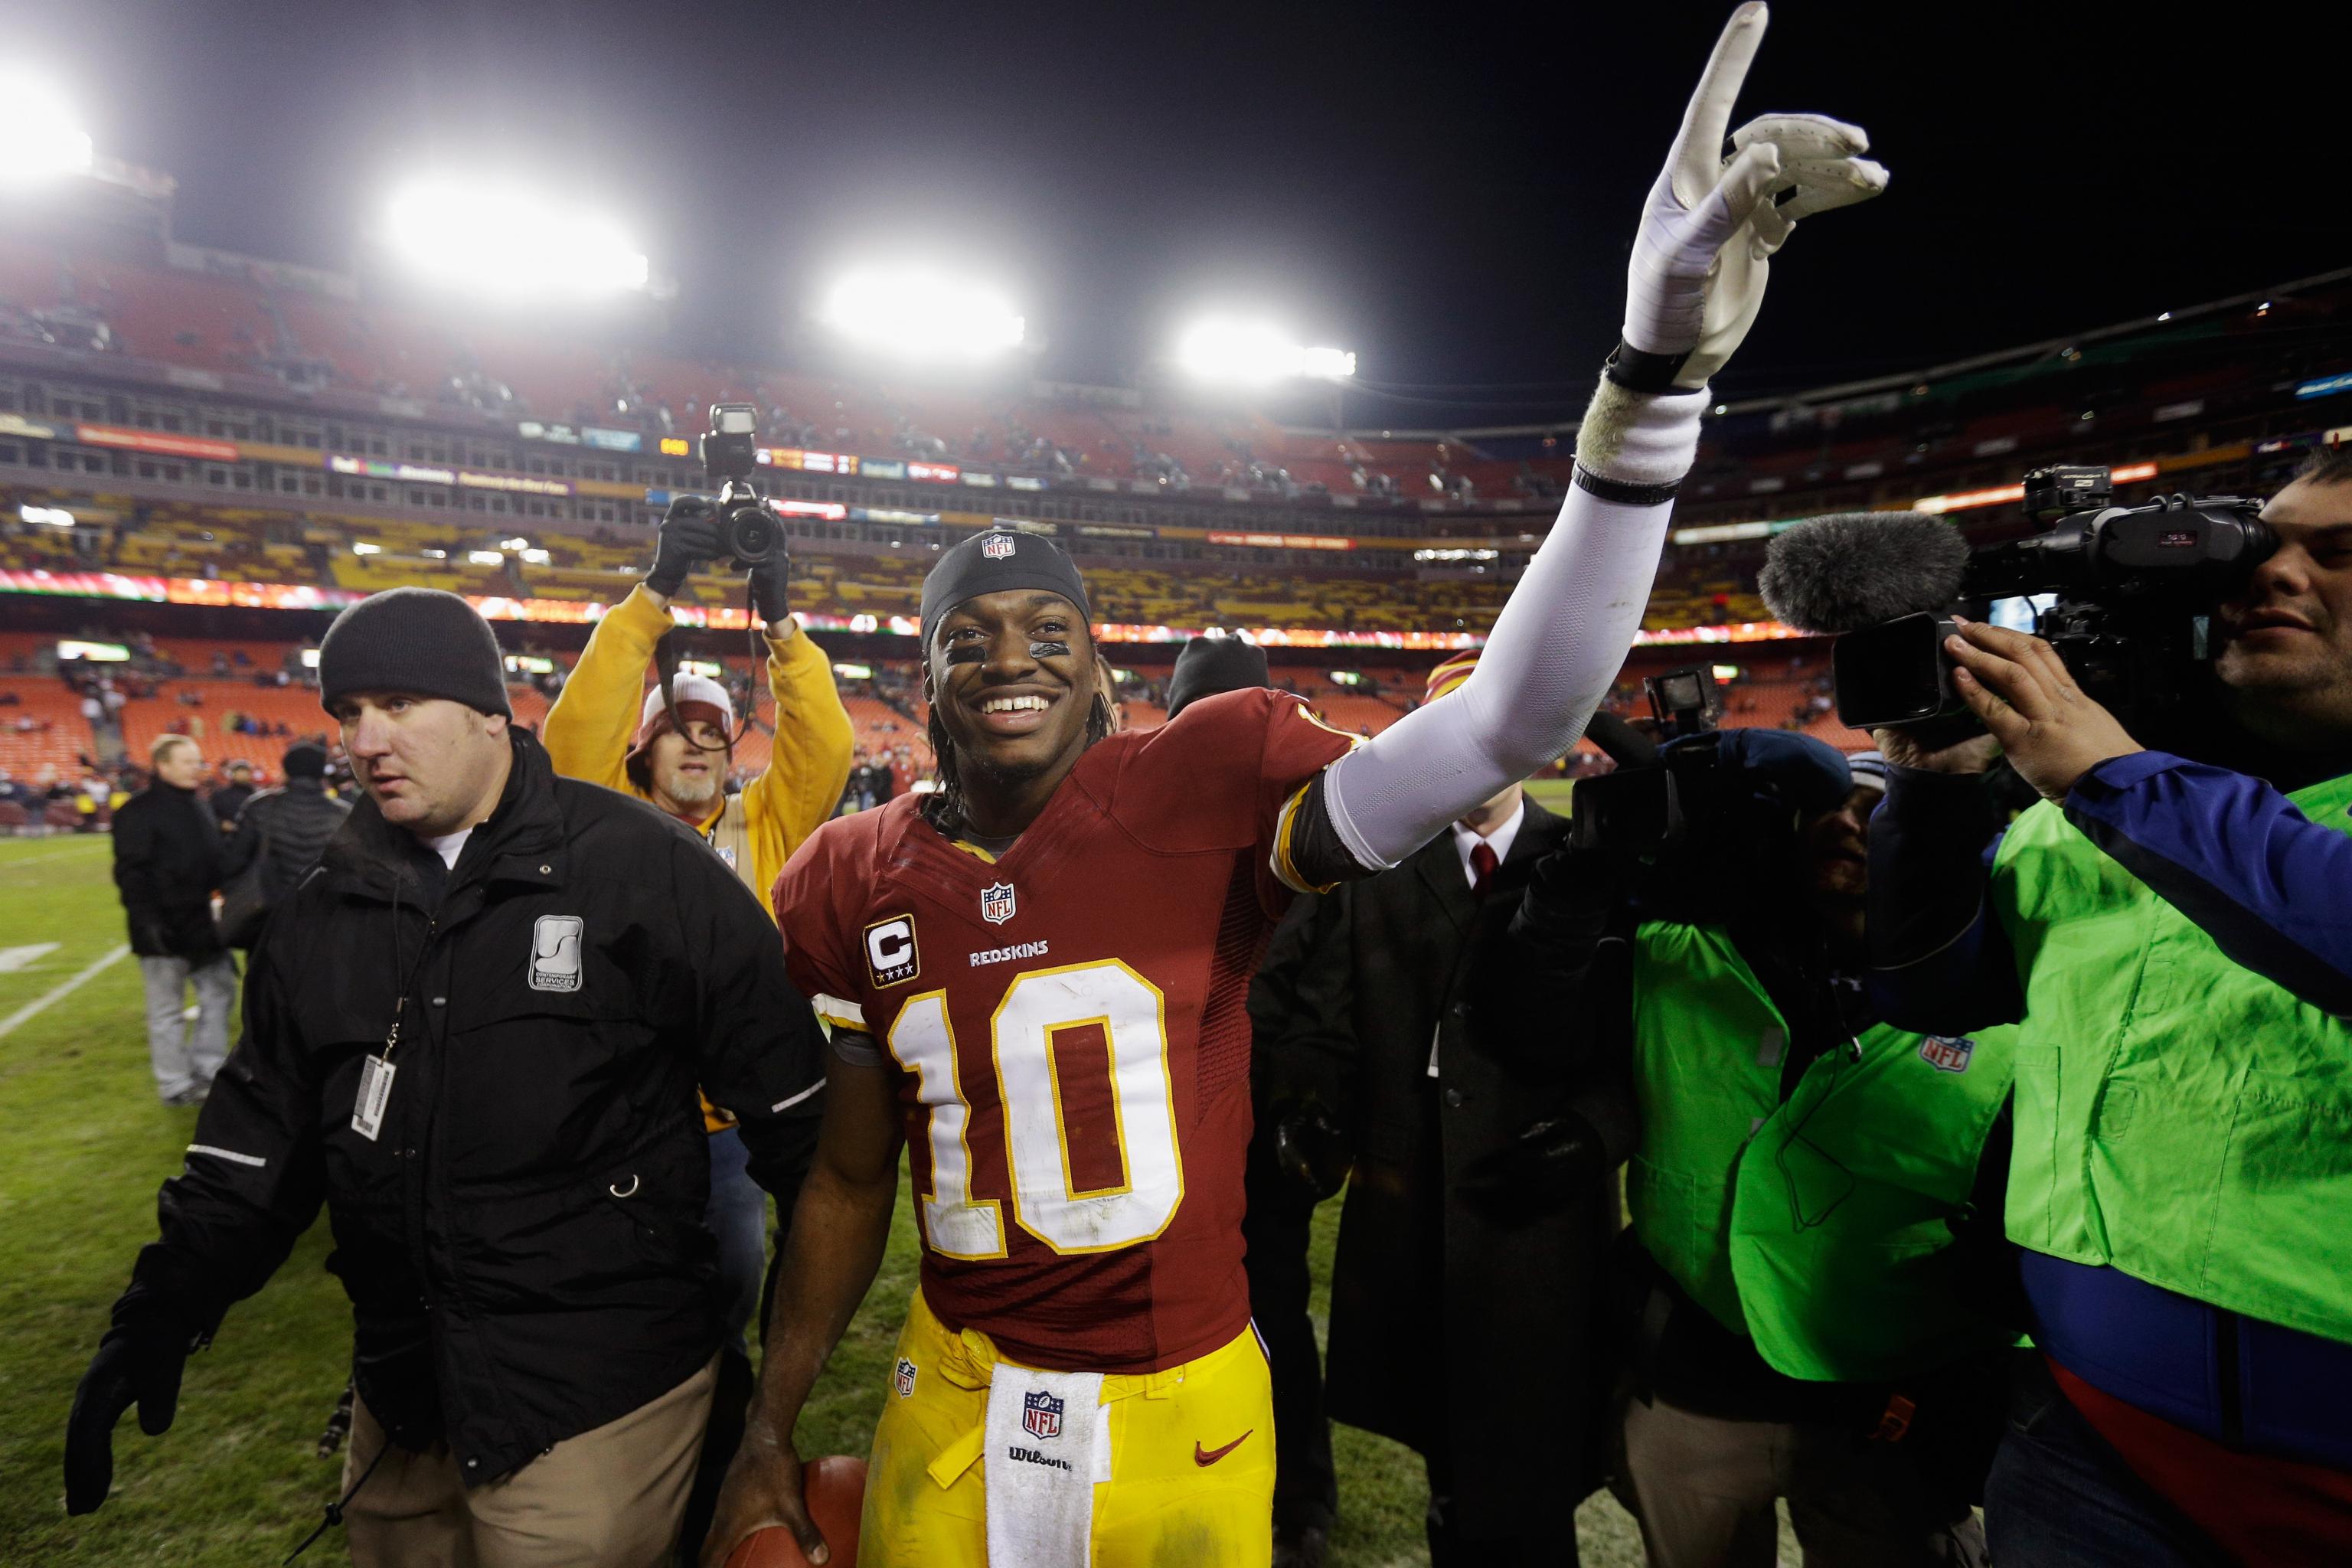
column 996, row 903
column 555, row 952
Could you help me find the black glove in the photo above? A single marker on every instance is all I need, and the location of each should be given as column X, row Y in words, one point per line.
column 140, row 1359
column 771, row 583
column 1545, row 1167
column 689, row 536
column 1312, row 1148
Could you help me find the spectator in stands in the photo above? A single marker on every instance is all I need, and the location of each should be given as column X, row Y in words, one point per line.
column 1399, row 1040
column 473, row 1035
column 229, row 798
column 167, row 863
column 286, row 828
column 674, row 754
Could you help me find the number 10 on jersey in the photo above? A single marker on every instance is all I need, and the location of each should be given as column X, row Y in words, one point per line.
column 1047, row 1203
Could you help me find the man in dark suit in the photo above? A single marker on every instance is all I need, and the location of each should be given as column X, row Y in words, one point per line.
column 1468, row 1312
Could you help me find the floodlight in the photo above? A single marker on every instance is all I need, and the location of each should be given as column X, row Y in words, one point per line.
column 536, row 557
column 50, row 516
column 922, row 315
column 361, row 547
column 485, row 557
column 511, row 241
column 40, row 134
column 1255, row 353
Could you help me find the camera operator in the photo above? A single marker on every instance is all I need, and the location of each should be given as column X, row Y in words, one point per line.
column 1802, row 1248
column 2176, row 937
column 674, row 754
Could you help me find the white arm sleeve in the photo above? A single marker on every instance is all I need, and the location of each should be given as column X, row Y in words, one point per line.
column 1556, row 647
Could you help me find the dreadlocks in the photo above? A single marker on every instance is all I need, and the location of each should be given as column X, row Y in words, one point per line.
column 943, row 807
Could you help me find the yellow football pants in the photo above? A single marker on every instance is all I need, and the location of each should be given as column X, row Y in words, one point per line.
column 1192, row 1459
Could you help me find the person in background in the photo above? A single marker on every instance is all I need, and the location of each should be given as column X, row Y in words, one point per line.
column 1482, row 1136
column 168, row 860
column 230, row 798
column 290, row 825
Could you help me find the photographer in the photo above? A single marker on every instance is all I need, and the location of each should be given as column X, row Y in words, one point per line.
column 674, row 754
column 2176, row 937
column 1804, row 1256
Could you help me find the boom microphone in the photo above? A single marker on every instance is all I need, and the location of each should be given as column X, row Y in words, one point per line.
column 1857, row 569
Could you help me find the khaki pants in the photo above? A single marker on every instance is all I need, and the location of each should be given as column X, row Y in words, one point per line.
column 1703, row 1488
column 610, row 1497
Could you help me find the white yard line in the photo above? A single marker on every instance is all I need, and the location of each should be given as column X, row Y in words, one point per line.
column 58, row 992
column 66, row 854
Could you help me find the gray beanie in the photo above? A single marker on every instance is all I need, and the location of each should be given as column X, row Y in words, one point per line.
column 421, row 641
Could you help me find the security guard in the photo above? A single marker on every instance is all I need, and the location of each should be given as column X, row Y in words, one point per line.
column 475, row 1033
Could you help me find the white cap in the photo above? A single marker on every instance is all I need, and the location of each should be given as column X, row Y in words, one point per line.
column 689, row 688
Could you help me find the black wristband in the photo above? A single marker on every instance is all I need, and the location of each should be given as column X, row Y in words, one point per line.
column 1623, row 492
column 1635, row 371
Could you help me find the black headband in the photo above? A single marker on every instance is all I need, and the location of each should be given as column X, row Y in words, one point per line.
column 993, row 561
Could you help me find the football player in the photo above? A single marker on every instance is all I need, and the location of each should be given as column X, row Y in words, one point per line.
column 1037, row 977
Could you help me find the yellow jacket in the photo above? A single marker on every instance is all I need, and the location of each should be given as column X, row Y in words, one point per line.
column 595, row 718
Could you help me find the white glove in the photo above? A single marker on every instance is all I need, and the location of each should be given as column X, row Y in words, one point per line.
column 1711, row 224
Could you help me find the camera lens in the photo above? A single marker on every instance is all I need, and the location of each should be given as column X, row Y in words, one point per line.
column 751, row 535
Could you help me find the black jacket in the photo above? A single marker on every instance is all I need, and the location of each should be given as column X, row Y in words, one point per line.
column 523, row 1242
column 230, row 800
column 298, row 821
column 1451, row 1329
column 168, row 860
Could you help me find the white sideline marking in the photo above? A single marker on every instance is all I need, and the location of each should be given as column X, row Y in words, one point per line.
column 13, row 958
column 58, row 992
column 66, row 854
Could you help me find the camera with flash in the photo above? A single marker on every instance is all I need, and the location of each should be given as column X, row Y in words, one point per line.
column 730, row 455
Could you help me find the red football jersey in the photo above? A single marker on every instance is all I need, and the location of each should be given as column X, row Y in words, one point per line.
column 1069, row 1028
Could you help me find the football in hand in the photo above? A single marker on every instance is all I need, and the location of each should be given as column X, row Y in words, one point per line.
column 835, row 1490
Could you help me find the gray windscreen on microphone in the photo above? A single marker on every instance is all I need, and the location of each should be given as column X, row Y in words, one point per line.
column 1856, row 569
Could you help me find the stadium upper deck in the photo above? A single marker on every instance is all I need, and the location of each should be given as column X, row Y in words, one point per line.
column 226, row 420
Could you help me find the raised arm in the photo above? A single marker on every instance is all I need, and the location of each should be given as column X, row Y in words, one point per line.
column 1700, row 256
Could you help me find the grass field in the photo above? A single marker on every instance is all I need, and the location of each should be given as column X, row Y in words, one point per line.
column 237, row 1481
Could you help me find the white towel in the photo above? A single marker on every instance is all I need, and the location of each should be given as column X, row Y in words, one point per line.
column 1047, row 1441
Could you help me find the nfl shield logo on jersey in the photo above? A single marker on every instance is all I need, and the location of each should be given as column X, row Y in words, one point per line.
column 996, row 903
column 906, row 1378
column 996, row 546
column 1948, row 1053
column 1042, row 1414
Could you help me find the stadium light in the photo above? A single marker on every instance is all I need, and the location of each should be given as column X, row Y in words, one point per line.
column 1256, row 354
column 47, row 516
column 920, row 314
column 511, row 241
column 485, row 557
column 40, row 134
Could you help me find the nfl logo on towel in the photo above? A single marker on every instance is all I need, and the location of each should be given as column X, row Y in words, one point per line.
column 996, row 903
column 1042, row 1414
column 996, row 546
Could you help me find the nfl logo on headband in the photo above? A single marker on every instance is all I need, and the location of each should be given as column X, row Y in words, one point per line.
column 997, row 546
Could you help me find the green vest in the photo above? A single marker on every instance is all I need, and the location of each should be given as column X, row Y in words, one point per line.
column 2179, row 1117
column 1818, row 1227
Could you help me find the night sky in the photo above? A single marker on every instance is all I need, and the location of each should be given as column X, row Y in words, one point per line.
column 1447, row 189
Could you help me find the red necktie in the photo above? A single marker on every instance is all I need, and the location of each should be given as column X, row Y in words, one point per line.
column 1482, row 861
